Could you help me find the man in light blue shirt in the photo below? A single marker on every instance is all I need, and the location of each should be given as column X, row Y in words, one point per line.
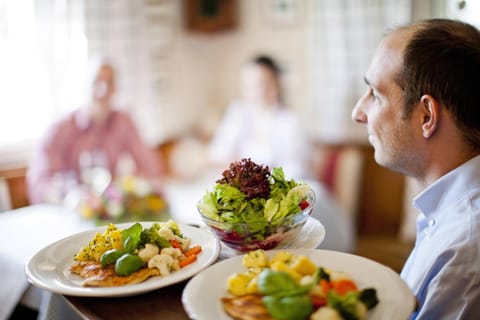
column 422, row 112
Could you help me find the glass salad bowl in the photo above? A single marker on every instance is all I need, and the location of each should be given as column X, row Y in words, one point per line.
column 279, row 233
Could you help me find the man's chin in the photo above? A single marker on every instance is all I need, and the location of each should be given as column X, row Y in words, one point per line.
column 380, row 159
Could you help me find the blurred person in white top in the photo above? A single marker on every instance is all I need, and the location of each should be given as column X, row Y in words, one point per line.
column 260, row 126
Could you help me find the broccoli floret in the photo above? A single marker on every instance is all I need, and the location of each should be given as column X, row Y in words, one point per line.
column 151, row 235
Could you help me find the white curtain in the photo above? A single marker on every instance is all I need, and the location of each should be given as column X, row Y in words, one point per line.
column 345, row 35
column 41, row 46
column 63, row 48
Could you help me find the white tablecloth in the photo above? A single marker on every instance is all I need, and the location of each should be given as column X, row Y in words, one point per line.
column 24, row 232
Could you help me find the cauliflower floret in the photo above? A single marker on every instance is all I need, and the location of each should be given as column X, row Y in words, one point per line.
column 174, row 252
column 338, row 275
column 306, row 280
column 163, row 262
column 166, row 233
column 175, row 265
column 326, row 313
column 172, row 225
column 361, row 310
column 184, row 242
column 148, row 252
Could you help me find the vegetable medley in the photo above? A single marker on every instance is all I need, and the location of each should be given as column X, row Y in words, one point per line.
column 294, row 287
column 161, row 246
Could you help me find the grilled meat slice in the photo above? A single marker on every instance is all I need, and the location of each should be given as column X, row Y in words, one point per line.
column 97, row 276
column 248, row 307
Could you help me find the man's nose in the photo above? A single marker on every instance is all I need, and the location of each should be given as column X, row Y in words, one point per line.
column 358, row 113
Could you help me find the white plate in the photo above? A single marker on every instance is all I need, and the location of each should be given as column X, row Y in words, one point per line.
column 312, row 235
column 397, row 302
column 48, row 269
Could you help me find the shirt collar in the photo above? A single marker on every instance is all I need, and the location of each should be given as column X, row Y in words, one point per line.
column 449, row 189
column 84, row 122
column 81, row 120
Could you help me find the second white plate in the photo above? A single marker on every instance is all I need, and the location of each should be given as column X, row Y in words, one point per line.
column 397, row 301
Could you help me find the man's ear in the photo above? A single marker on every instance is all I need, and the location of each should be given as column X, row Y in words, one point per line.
column 430, row 115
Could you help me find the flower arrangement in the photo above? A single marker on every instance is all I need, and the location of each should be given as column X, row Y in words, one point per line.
column 126, row 199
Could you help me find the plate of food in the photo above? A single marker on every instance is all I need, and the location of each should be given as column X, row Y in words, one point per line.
column 122, row 260
column 298, row 283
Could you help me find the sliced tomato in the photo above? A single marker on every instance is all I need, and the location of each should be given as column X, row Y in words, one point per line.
column 304, row 204
column 343, row 286
column 318, row 301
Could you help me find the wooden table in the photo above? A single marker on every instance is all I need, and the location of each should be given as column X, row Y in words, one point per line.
column 164, row 303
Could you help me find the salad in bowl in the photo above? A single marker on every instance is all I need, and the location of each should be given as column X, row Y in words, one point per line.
column 251, row 207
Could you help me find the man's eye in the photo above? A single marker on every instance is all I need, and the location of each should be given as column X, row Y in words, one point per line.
column 373, row 93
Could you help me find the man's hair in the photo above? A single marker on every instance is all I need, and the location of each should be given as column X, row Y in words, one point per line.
column 442, row 59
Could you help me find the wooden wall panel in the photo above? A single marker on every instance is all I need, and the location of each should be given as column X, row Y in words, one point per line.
column 381, row 205
column 17, row 186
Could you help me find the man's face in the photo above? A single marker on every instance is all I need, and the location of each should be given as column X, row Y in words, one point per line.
column 103, row 86
column 380, row 108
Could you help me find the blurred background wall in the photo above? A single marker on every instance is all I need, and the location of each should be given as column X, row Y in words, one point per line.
column 176, row 75
column 178, row 61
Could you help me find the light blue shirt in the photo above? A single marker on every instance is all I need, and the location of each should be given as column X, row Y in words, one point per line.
column 443, row 269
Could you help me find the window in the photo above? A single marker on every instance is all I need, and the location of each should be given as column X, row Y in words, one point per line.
column 40, row 68
column 465, row 10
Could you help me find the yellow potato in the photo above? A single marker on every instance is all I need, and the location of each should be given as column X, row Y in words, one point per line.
column 282, row 256
column 111, row 239
column 282, row 266
column 237, row 284
column 252, row 286
column 304, row 266
column 257, row 258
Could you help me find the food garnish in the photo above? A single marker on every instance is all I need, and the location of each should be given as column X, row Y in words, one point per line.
column 291, row 286
column 250, row 178
column 121, row 257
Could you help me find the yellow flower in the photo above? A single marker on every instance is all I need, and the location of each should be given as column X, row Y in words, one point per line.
column 86, row 211
column 156, row 203
column 128, row 184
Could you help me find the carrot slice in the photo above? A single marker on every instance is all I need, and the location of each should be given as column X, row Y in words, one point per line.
column 176, row 244
column 193, row 251
column 343, row 286
column 325, row 285
column 187, row 260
